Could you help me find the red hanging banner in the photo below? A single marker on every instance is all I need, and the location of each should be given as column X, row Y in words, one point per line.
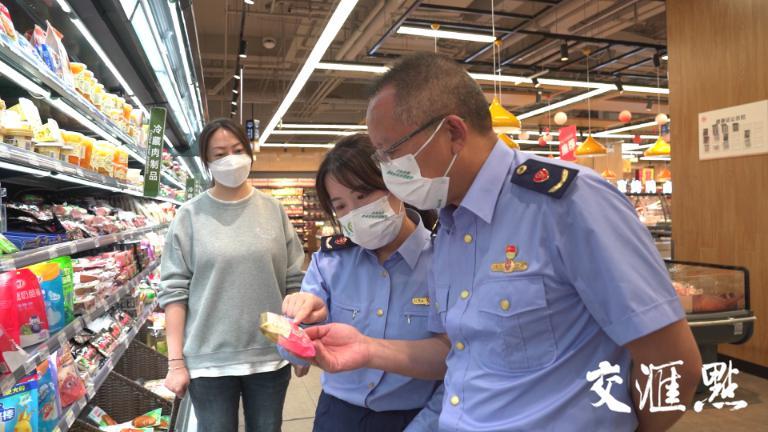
column 568, row 143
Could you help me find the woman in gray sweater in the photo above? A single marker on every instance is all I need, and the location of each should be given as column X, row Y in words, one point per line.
column 230, row 254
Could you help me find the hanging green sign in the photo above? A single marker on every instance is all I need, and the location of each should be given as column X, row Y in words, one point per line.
column 190, row 188
column 154, row 152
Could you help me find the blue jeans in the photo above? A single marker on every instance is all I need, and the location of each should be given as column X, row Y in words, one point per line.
column 217, row 401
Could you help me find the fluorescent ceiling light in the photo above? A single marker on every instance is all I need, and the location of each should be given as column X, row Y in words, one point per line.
column 514, row 79
column 323, row 42
column 250, row 2
column 624, row 136
column 542, row 133
column 323, row 126
column 519, row 141
column 571, row 83
column 541, row 152
column 565, row 102
column 625, row 147
column 350, row 67
column 312, row 132
column 656, row 158
column 291, row 145
column 23, row 169
column 625, row 128
column 22, row 80
column 183, row 53
column 84, row 182
column 234, row 103
column 64, row 6
column 665, row 57
column 445, row 34
column 644, row 89
column 236, row 76
column 234, row 90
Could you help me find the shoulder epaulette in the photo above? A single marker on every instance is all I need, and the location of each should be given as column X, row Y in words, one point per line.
column 542, row 177
column 335, row 242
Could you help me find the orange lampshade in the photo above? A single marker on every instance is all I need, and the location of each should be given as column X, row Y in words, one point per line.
column 660, row 148
column 590, row 148
column 608, row 175
column 503, row 121
column 664, row 175
column 508, row 141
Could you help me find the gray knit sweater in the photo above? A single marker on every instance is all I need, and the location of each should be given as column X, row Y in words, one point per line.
column 228, row 262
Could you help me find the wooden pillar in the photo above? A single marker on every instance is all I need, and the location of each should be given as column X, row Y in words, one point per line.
column 718, row 57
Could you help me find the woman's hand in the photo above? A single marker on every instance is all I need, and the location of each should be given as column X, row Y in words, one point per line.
column 177, row 381
column 305, row 308
column 300, row 371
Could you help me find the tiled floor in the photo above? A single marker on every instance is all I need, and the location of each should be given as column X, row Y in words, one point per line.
column 304, row 392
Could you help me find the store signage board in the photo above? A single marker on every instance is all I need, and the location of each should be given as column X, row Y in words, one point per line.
column 567, row 139
column 154, row 152
column 734, row 131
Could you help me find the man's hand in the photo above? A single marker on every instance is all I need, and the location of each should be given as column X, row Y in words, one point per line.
column 305, row 308
column 340, row 347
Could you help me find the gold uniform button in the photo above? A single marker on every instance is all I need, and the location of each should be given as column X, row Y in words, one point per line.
column 371, row 385
column 379, row 312
column 464, row 294
column 459, row 346
column 467, row 238
column 504, row 304
column 455, row 400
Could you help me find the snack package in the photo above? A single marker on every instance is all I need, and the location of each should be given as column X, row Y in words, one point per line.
column 6, row 247
column 71, row 387
column 158, row 387
column 7, row 23
column 287, row 334
column 48, row 395
column 18, row 407
column 68, row 286
column 146, row 422
column 31, row 323
column 49, row 276
column 11, row 354
column 28, row 112
column 36, row 37
column 99, row 417
column 59, row 54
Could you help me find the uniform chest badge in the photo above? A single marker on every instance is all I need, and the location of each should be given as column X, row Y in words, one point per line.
column 422, row 301
column 510, row 265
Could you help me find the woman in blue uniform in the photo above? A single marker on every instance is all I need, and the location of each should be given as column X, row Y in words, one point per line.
column 375, row 279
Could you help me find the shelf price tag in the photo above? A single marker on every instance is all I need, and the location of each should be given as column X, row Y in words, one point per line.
column 154, row 152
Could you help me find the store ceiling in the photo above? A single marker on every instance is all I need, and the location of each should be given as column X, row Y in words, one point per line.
column 623, row 36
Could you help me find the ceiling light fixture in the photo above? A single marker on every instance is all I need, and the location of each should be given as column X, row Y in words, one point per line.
column 234, row 103
column 627, row 128
column 329, row 33
column 236, row 76
column 564, row 52
column 312, row 132
column 352, row 67
column 665, row 57
column 590, row 147
column 249, row 2
column 235, row 91
column 322, row 126
column 565, row 102
column 445, row 34
column 536, row 83
column 502, row 120
column 64, row 6
column 243, row 46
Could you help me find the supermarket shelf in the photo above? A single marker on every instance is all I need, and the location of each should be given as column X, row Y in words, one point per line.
column 43, row 350
column 34, row 256
column 73, row 411
column 34, row 70
column 25, row 161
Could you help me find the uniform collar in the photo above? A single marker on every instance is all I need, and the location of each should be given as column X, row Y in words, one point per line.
column 484, row 192
column 412, row 247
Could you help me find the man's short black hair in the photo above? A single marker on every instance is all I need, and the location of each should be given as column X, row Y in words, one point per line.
column 427, row 85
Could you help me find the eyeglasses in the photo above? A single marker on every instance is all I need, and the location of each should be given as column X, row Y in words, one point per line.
column 382, row 156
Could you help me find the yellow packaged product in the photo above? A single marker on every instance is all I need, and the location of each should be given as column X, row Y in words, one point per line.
column 84, row 83
column 121, row 164
column 97, row 94
column 48, row 132
column 76, row 68
column 75, row 141
column 87, row 152
column 21, row 138
column 102, row 158
column 49, row 149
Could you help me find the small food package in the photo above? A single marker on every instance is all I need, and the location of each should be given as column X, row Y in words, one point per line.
column 71, row 386
column 48, row 395
column 28, row 112
column 100, row 418
column 49, row 276
column 36, row 38
column 32, row 322
column 67, row 281
column 146, row 422
column 7, row 23
column 18, row 407
column 287, row 334
column 48, row 133
column 59, row 55
column 6, row 247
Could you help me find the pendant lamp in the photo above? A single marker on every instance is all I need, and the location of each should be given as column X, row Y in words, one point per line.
column 664, row 176
column 503, row 121
column 590, row 147
column 509, row 141
column 608, row 175
column 660, row 148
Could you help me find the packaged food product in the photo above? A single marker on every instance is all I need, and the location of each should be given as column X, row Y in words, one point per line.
column 102, row 158
column 158, row 387
column 30, row 306
column 67, row 282
column 53, row 38
column 287, row 334
column 21, row 138
column 84, row 83
column 28, row 112
column 36, row 37
column 71, row 387
column 49, row 276
column 87, row 155
column 74, row 140
column 120, row 164
column 47, row 133
column 150, row 419
column 18, row 407
column 76, row 68
column 51, row 150
column 87, row 358
column 11, row 355
column 6, row 246
column 7, row 22
column 99, row 417
column 97, row 94
column 48, row 395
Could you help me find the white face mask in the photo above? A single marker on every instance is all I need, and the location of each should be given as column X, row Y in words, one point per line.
column 231, row 171
column 403, row 178
column 372, row 225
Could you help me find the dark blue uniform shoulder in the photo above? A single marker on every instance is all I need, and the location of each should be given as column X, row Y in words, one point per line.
column 335, row 242
column 542, row 177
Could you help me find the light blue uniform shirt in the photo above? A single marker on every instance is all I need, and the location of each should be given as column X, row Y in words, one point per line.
column 386, row 301
column 523, row 341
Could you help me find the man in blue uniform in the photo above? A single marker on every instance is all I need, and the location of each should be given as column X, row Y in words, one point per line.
column 544, row 280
